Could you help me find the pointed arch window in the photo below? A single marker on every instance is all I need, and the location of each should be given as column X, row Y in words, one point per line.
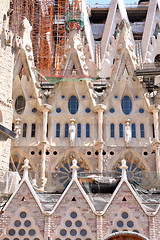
column 121, row 130
column 142, row 130
column 112, row 130
column 73, row 105
column 126, row 105
column 24, row 130
column 133, row 126
column 78, row 130
column 58, row 130
column 87, row 130
column 66, row 130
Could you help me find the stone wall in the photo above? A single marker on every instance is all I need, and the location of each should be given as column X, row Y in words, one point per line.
column 6, row 68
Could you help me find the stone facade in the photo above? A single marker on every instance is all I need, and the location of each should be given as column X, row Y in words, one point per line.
column 104, row 108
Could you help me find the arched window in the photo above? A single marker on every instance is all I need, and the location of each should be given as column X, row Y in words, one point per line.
column 112, row 130
column 157, row 60
column 24, row 129
column 142, row 130
column 78, row 130
column 66, row 130
column 73, row 105
column 121, row 130
column 126, row 105
column 58, row 130
column 133, row 130
column 20, row 104
column 87, row 130
column 33, row 130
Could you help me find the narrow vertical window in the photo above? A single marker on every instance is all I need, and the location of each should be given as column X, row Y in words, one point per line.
column 13, row 127
column 121, row 130
column 47, row 131
column 153, row 130
column 33, row 130
column 87, row 130
column 58, row 130
column 133, row 130
column 78, row 130
column 112, row 130
column 24, row 130
column 66, row 130
column 142, row 130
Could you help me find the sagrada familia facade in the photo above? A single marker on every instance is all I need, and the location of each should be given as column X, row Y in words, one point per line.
column 80, row 148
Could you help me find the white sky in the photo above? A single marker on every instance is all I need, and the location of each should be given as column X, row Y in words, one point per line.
column 104, row 2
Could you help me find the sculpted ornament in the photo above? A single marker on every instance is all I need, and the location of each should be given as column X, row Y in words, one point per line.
column 72, row 132
column 127, row 132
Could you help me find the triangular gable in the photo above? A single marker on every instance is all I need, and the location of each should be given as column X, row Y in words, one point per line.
column 125, row 188
column 24, row 58
column 23, row 191
column 111, row 23
column 73, row 189
column 150, row 24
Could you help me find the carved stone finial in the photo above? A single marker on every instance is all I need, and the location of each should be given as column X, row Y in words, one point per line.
column 124, row 168
column 25, row 169
column 74, row 168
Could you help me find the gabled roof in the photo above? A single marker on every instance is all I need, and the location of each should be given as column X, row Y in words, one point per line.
column 124, row 180
column 82, row 192
column 30, row 188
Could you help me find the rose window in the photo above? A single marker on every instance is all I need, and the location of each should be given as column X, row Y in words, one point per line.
column 134, row 172
column 65, row 172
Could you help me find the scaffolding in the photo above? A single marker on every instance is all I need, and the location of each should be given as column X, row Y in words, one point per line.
column 61, row 33
column 48, row 35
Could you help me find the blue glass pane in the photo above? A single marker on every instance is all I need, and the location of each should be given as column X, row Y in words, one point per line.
column 66, row 130
column 141, row 110
column 63, row 96
column 88, row 110
column 58, row 110
column 133, row 130
column 112, row 130
column 136, row 96
column 126, row 105
column 142, row 130
column 121, row 130
column 58, row 130
column 87, row 130
column 73, row 105
column 116, row 96
column 83, row 96
column 111, row 110
column 78, row 130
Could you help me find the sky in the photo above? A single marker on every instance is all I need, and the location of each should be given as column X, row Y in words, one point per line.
column 104, row 2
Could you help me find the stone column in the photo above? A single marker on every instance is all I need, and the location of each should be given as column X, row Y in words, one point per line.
column 47, row 226
column 100, row 109
column 152, row 230
column 45, row 109
column 99, row 228
column 158, row 159
column 156, row 127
